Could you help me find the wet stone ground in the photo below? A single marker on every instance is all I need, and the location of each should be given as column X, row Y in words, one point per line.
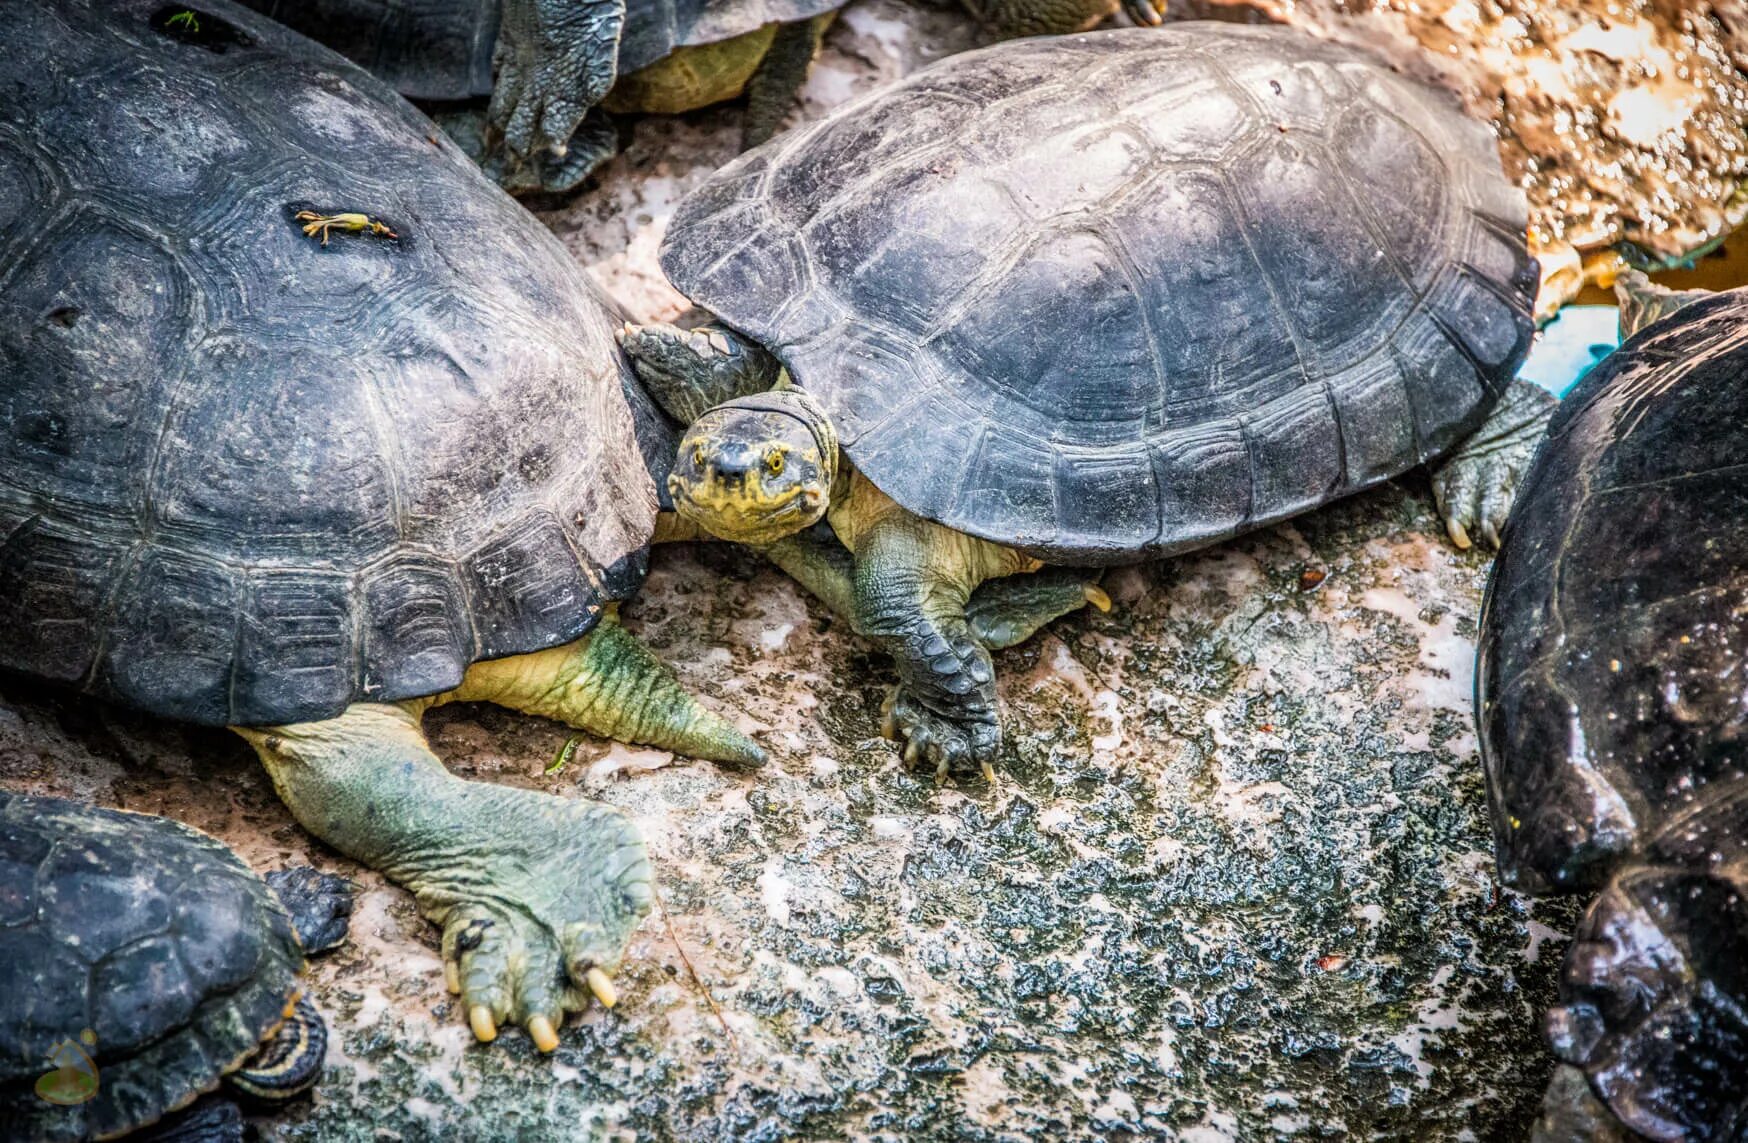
column 1234, row 882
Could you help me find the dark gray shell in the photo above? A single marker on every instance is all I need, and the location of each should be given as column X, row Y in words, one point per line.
column 1122, row 294
column 247, row 478
column 152, row 936
column 1613, row 648
column 433, row 49
column 442, row 49
column 1612, row 681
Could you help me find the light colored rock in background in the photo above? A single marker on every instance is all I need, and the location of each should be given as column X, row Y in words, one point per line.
column 1235, row 881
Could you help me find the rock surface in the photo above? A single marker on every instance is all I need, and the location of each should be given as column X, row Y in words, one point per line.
column 1235, row 881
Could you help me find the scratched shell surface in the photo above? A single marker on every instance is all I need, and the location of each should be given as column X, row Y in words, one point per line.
column 152, row 936
column 1124, row 294
column 248, row 478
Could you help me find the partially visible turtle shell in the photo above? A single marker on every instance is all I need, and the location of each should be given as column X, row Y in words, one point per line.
column 435, row 49
column 1121, row 294
column 1613, row 660
column 249, row 478
column 654, row 28
column 134, row 944
column 1612, row 681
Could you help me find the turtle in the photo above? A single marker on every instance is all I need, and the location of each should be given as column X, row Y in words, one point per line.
column 151, row 962
column 546, row 130
column 1020, row 309
column 306, row 427
column 1611, row 716
column 561, row 65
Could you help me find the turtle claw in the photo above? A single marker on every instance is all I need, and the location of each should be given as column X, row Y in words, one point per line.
column 559, row 903
column 949, row 744
column 1146, row 13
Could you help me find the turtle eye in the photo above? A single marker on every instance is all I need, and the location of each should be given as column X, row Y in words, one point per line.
column 774, row 462
column 698, row 455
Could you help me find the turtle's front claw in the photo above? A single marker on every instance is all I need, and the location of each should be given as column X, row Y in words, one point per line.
column 948, row 744
column 1474, row 497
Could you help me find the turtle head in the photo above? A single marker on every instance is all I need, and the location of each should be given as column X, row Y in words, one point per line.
column 757, row 468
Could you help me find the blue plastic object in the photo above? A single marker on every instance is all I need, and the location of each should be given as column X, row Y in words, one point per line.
column 1570, row 346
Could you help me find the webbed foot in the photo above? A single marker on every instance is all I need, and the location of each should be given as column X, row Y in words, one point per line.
column 932, row 738
column 1475, row 486
column 535, row 926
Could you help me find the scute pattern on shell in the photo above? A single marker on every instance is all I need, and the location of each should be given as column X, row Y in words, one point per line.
column 153, row 936
column 424, row 49
column 247, row 478
column 1122, row 294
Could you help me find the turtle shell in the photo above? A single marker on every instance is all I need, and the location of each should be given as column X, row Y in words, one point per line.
column 1121, row 294
column 140, row 951
column 435, row 49
column 1613, row 642
column 246, row 477
column 654, row 28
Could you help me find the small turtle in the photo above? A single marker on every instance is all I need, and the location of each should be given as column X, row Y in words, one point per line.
column 1031, row 309
column 556, row 63
column 310, row 490
column 1612, row 713
column 147, row 962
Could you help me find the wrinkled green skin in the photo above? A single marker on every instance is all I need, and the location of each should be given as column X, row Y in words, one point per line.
column 531, row 891
column 907, row 582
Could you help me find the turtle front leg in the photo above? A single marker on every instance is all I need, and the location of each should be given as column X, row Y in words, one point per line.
column 913, row 578
column 555, row 59
column 772, row 90
column 691, row 371
column 536, row 895
column 1475, row 485
column 1002, row 612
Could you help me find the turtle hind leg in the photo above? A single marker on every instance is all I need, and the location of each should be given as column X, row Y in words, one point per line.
column 320, row 905
column 610, row 685
column 536, row 895
column 1643, row 301
column 691, row 371
column 290, row 1061
column 1475, row 485
column 1652, row 998
column 1571, row 1113
column 774, row 87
